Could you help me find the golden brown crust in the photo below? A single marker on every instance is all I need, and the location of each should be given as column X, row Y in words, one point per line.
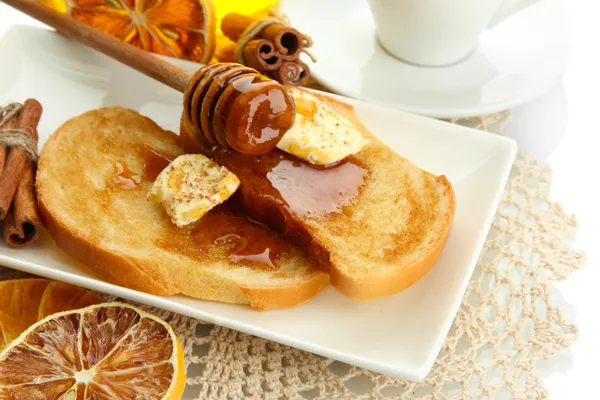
column 268, row 298
column 115, row 268
column 405, row 276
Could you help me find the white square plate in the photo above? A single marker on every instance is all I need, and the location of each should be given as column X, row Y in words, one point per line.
column 399, row 335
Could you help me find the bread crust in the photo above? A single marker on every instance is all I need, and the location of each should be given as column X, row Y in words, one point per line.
column 145, row 274
column 405, row 276
column 268, row 298
column 115, row 268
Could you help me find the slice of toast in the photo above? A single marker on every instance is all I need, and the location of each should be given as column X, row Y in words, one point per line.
column 377, row 222
column 93, row 177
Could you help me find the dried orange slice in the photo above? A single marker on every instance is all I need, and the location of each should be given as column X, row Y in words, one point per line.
column 60, row 296
column 101, row 352
column 176, row 28
column 25, row 301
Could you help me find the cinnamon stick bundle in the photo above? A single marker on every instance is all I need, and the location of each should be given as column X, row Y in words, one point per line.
column 17, row 157
column 287, row 40
column 269, row 46
column 18, row 205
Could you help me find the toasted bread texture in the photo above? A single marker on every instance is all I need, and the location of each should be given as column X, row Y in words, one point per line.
column 382, row 241
column 92, row 182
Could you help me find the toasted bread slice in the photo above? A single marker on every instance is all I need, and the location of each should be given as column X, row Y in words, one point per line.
column 93, row 178
column 377, row 222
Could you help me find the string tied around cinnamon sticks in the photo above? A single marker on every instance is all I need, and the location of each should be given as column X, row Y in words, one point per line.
column 8, row 111
column 269, row 45
column 16, row 137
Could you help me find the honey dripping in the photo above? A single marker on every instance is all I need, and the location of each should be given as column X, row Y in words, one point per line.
column 238, row 109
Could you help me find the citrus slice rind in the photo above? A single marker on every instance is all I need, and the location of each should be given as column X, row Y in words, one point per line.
column 25, row 301
column 104, row 351
column 176, row 28
column 19, row 302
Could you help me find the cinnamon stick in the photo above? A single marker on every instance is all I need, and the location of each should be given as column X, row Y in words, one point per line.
column 226, row 52
column 260, row 54
column 291, row 73
column 17, row 157
column 22, row 222
column 233, row 25
column 288, row 41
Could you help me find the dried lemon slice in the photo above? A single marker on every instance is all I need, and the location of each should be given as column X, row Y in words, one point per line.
column 101, row 352
column 25, row 301
column 176, row 28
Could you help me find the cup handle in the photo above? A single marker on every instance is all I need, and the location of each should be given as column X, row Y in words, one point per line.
column 508, row 8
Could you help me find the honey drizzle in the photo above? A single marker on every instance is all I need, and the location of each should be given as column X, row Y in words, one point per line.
column 306, row 108
column 226, row 232
column 125, row 178
column 154, row 163
column 310, row 191
column 301, row 188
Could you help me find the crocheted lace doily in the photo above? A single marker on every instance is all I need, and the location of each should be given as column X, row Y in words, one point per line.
column 506, row 322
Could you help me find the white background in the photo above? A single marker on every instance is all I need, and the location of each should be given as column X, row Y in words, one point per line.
column 562, row 128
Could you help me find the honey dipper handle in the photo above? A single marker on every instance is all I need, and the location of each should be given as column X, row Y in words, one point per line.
column 138, row 59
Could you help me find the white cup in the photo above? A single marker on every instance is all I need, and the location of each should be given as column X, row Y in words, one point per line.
column 437, row 32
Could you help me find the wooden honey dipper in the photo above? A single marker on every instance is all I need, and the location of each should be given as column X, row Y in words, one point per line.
column 235, row 107
column 231, row 106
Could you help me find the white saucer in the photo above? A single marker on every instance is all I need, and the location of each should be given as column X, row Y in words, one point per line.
column 516, row 61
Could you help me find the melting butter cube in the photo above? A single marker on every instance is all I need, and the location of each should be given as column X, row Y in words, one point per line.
column 320, row 135
column 190, row 186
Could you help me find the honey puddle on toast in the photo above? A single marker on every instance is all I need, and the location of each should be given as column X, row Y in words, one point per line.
column 301, row 188
column 248, row 242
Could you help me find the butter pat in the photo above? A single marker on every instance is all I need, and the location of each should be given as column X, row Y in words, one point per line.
column 320, row 135
column 190, row 186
